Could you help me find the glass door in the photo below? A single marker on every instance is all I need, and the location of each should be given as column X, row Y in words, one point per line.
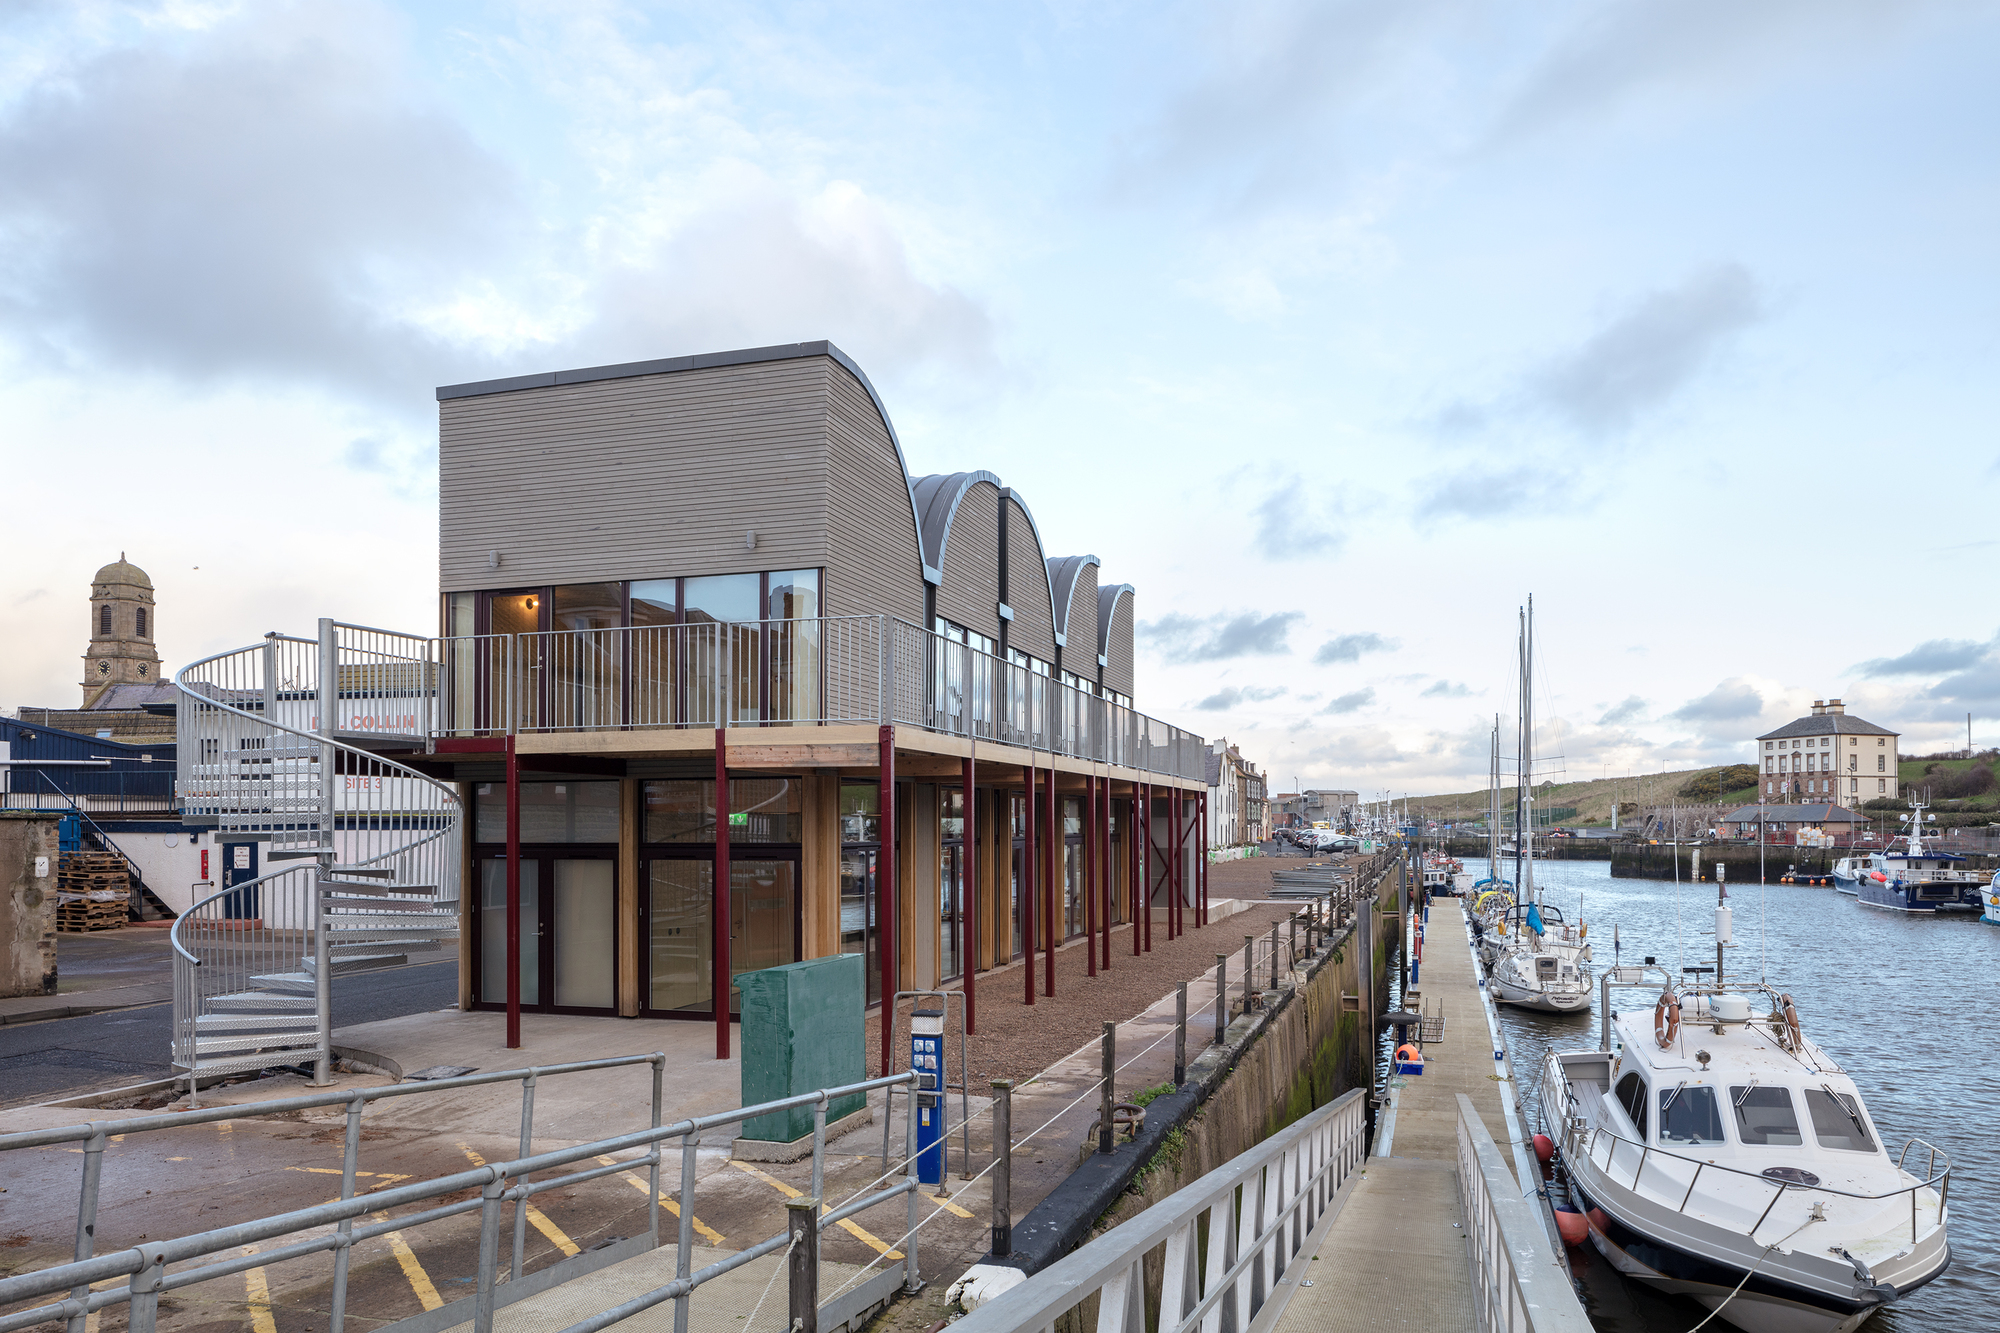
column 569, row 932
column 763, row 919
column 858, row 932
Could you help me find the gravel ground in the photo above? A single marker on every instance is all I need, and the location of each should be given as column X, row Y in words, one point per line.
column 1016, row 1041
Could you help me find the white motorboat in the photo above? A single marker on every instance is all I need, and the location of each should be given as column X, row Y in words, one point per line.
column 1991, row 914
column 1717, row 1152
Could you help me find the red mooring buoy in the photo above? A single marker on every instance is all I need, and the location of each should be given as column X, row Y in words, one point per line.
column 1545, row 1147
column 1570, row 1225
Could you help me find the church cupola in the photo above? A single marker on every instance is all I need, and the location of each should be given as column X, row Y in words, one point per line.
column 122, row 629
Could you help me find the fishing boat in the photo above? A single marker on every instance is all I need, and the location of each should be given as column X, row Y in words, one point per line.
column 1718, row 1152
column 1912, row 878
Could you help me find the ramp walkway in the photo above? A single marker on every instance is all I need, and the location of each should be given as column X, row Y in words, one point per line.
column 1398, row 1258
column 1303, row 1233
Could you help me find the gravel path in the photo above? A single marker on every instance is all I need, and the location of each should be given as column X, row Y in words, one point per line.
column 1017, row 1041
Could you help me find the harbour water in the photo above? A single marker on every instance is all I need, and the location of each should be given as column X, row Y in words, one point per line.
column 1905, row 1004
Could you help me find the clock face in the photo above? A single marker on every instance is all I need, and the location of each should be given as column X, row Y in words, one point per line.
column 104, row 668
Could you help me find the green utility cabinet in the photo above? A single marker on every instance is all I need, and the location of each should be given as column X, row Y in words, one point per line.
column 802, row 1031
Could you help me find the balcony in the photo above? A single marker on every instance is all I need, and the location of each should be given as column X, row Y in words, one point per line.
column 841, row 670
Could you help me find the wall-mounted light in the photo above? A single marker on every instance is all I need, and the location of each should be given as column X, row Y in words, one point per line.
column 750, row 540
column 533, row 603
column 493, row 560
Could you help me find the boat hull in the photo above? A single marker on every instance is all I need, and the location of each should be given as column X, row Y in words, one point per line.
column 1847, row 884
column 1758, row 1304
column 1547, row 1002
column 1893, row 897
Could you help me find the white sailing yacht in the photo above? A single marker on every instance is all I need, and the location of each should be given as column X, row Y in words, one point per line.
column 1534, row 958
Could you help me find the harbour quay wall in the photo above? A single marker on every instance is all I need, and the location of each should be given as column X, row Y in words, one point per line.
column 1652, row 862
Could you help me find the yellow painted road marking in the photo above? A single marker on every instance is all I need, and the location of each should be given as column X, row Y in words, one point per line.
column 382, row 1177
column 420, row 1281
column 536, row 1217
column 701, row 1228
column 257, row 1292
column 845, row 1224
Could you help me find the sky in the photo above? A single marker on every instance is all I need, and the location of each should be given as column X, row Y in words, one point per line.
column 1337, row 329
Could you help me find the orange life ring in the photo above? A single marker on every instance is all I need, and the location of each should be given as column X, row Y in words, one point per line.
column 1667, row 1020
column 1793, row 1038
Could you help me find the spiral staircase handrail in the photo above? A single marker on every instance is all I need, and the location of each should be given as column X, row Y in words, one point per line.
column 174, row 933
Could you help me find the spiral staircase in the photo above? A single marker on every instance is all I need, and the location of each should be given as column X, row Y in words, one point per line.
column 281, row 745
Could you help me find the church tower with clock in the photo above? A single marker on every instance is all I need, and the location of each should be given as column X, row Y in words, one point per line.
column 122, row 631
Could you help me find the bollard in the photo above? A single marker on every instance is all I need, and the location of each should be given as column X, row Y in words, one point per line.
column 800, row 1218
column 1109, row 1048
column 1221, row 995
column 1180, row 1035
column 1003, row 1161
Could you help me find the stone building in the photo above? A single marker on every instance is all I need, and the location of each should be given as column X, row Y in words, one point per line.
column 1828, row 755
column 124, row 696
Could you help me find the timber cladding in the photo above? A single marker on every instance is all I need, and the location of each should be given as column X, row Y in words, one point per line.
column 874, row 562
column 1117, row 638
column 1033, row 630
column 1080, row 636
column 970, row 593
column 646, row 477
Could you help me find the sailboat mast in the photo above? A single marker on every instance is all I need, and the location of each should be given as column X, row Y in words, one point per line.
column 1520, row 785
column 1528, row 739
column 1493, row 810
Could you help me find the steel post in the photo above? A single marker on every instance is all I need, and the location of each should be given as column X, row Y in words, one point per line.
column 1052, row 869
column 1180, row 1034
column 885, row 883
column 1107, row 1080
column 653, row 1168
column 969, row 908
column 513, row 894
column 489, row 1255
column 1003, row 1162
column 521, row 1208
column 349, row 1156
column 802, row 1223
column 721, row 887
column 1221, row 995
column 913, row 1199
column 329, row 722
column 1274, row 955
column 1090, row 875
column 86, row 1214
column 684, row 1239
column 819, row 1164
column 1026, row 894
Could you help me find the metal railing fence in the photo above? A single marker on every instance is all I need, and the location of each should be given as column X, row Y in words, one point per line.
column 1518, row 1283
column 1229, row 1238
column 818, row 671
column 94, row 1136
column 147, row 1266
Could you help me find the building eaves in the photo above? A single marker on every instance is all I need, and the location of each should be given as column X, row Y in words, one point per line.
column 1827, row 724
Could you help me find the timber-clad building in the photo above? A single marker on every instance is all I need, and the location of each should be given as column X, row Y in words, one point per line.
column 754, row 695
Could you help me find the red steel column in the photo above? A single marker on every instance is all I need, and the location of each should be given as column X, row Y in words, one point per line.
column 885, row 890
column 1026, row 894
column 1091, row 875
column 513, row 898
column 1134, row 877
column 721, row 895
column 1103, row 816
column 1201, row 865
column 968, row 906
column 1054, row 844
column 1146, row 860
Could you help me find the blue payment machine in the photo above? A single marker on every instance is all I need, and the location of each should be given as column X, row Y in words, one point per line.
column 927, row 1101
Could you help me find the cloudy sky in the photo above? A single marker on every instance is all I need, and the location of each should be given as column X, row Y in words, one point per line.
column 1337, row 328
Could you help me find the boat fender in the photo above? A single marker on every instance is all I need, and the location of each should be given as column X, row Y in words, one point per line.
column 1545, row 1147
column 1408, row 1054
column 1570, row 1225
column 1793, row 1039
column 1667, row 1020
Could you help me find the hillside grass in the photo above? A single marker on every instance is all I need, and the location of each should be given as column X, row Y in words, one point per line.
column 1592, row 798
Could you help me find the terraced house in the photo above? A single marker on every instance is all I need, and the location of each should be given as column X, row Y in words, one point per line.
column 720, row 686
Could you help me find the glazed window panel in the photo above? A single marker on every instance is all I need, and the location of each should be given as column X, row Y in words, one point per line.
column 760, row 810
column 1837, row 1121
column 1765, row 1117
column 550, row 812
column 1689, row 1115
column 1632, row 1097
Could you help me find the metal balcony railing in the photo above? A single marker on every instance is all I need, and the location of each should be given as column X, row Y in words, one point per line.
column 776, row 673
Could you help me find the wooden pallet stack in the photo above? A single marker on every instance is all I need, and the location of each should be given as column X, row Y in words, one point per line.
column 93, row 891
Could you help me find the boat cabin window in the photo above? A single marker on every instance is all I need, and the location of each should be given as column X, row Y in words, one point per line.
column 1764, row 1117
column 1545, row 967
column 1837, row 1121
column 1632, row 1096
column 1689, row 1115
